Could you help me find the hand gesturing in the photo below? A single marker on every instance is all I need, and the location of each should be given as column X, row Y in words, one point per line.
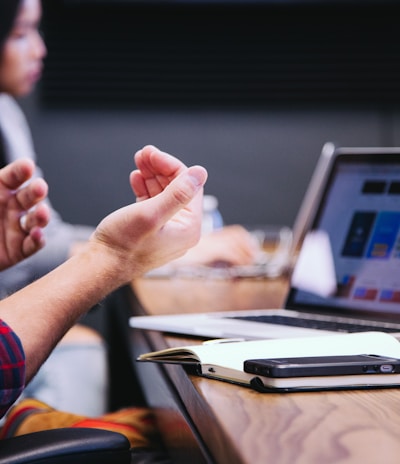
column 22, row 216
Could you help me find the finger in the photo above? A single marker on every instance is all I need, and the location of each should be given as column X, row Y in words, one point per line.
column 33, row 242
column 148, row 187
column 153, row 181
column 16, row 173
column 157, row 169
column 152, row 161
column 29, row 196
column 143, row 188
column 138, row 185
column 38, row 217
column 180, row 193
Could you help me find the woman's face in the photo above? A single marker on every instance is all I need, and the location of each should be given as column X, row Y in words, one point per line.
column 21, row 59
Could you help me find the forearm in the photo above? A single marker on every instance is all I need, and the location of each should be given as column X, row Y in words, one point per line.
column 42, row 312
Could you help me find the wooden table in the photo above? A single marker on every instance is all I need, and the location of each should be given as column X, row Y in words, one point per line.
column 206, row 420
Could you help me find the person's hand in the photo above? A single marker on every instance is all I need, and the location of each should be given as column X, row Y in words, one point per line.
column 155, row 170
column 164, row 222
column 229, row 246
column 22, row 216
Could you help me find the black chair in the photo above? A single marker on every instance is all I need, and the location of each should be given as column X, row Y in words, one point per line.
column 66, row 446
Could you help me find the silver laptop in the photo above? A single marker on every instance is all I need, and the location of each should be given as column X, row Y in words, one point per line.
column 347, row 275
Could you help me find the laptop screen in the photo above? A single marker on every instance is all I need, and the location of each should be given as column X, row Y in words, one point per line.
column 359, row 215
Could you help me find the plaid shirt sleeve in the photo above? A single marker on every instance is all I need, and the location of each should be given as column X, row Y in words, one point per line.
column 12, row 367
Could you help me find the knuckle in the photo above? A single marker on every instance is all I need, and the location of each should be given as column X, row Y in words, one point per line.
column 183, row 193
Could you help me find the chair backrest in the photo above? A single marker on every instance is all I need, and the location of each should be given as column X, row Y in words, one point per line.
column 66, row 446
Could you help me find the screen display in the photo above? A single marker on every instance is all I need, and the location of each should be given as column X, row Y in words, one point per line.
column 360, row 216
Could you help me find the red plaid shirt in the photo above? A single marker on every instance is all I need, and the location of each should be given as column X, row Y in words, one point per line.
column 12, row 367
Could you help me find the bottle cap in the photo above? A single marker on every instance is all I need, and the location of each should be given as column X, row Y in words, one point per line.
column 210, row 203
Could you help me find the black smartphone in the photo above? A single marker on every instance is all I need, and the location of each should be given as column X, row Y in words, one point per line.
column 322, row 365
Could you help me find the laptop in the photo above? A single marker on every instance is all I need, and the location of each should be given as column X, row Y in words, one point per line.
column 347, row 274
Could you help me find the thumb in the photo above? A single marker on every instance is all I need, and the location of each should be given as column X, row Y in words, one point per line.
column 182, row 191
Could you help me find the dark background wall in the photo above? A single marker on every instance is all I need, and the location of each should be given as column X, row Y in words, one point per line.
column 251, row 90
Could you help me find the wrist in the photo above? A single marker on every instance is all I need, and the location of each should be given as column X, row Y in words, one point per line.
column 109, row 266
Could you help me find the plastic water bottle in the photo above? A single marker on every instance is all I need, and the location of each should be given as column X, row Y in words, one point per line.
column 212, row 218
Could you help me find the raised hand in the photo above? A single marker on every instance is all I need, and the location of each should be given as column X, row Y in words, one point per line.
column 166, row 220
column 22, row 216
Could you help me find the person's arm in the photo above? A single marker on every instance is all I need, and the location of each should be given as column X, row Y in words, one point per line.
column 22, row 216
column 126, row 244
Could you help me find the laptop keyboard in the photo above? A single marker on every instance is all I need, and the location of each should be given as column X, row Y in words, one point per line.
column 337, row 326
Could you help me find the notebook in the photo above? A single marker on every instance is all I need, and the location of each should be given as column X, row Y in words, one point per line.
column 347, row 275
column 227, row 361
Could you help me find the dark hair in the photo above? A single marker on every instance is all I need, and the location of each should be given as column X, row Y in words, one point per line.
column 8, row 13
